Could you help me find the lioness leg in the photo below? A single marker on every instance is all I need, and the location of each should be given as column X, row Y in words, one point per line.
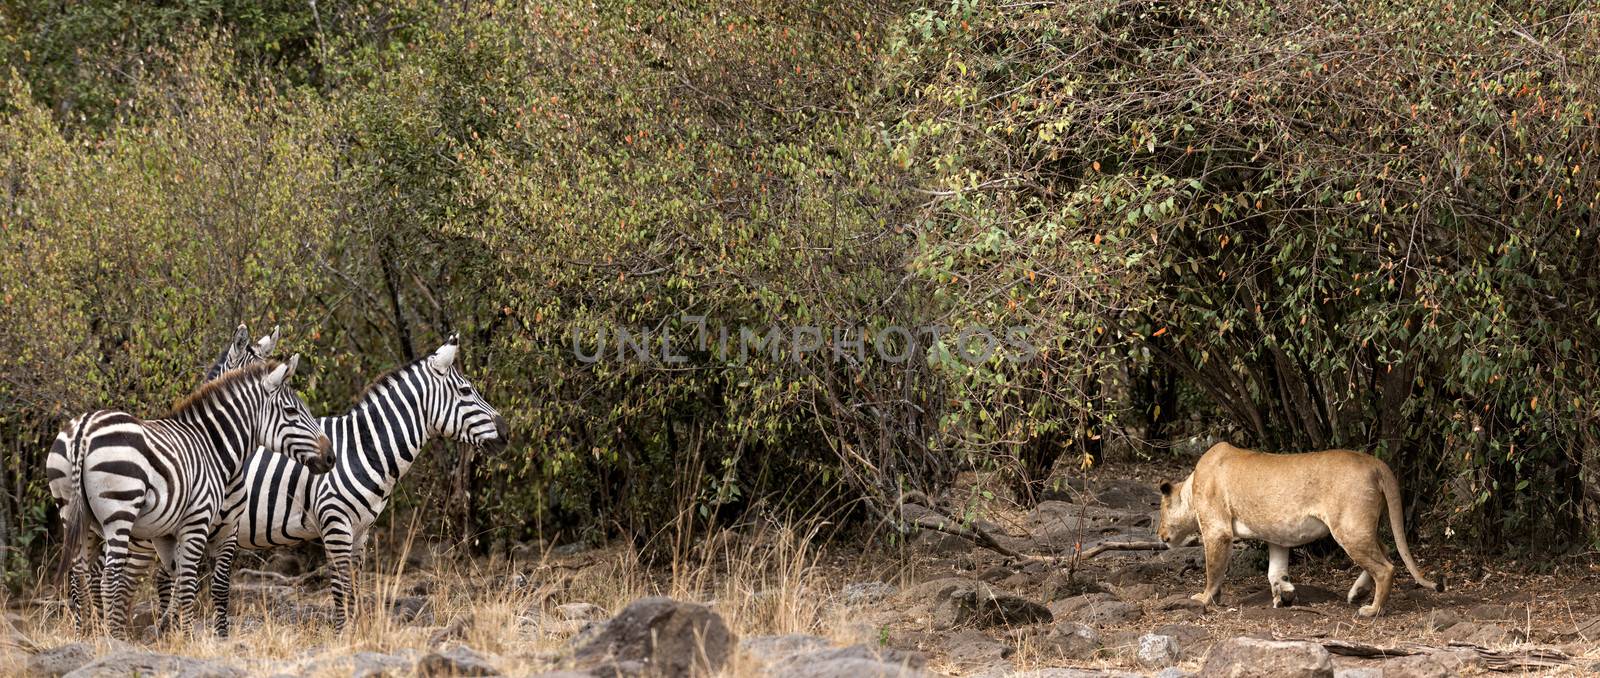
column 1364, row 548
column 1362, row 585
column 1278, row 575
column 1219, row 548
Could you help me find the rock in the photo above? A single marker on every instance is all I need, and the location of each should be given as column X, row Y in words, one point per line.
column 1494, row 612
column 1122, row 493
column 411, row 610
column 61, row 660
column 1108, row 611
column 936, row 591
column 528, row 551
column 974, row 650
column 937, row 543
column 1135, row 592
column 1158, row 651
column 774, row 649
column 1256, row 658
column 995, row 573
column 1071, row 640
column 984, row 607
column 1059, row 585
column 1073, row 673
column 1063, row 525
column 1172, row 672
column 1361, row 672
column 847, row 667
column 1068, row 608
column 667, row 637
column 129, row 663
column 1193, row 641
column 581, row 612
column 1487, row 635
column 1439, row 620
column 849, row 662
column 455, row 661
column 455, row 630
column 1179, row 602
column 364, row 665
column 867, row 592
column 572, row 549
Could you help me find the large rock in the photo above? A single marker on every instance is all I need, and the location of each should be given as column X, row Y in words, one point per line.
column 1256, row 658
column 1156, row 651
column 1193, row 641
column 363, row 665
column 138, row 663
column 1485, row 634
column 1443, row 664
column 1096, row 609
column 59, row 661
column 774, row 649
column 1062, row 525
column 861, row 661
column 456, row 661
column 1071, row 640
column 867, row 592
column 664, row 636
column 984, row 606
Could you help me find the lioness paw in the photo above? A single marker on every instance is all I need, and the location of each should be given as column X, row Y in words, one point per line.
column 1369, row 611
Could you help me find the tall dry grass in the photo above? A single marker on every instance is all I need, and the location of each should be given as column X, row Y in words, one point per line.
column 765, row 579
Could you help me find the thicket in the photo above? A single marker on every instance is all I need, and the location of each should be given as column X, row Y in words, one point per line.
column 1293, row 225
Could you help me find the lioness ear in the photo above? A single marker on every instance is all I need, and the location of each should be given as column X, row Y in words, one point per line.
column 1166, row 489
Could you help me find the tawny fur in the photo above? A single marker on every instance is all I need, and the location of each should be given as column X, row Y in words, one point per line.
column 1289, row 500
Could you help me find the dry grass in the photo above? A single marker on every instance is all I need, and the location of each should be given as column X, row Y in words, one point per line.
column 762, row 581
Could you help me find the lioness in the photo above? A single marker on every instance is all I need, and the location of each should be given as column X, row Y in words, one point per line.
column 1288, row 500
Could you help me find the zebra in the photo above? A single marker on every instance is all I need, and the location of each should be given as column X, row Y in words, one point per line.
column 374, row 445
column 239, row 352
column 167, row 480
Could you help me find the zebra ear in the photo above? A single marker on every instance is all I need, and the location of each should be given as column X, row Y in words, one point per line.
column 442, row 359
column 241, row 337
column 454, row 340
column 280, row 374
column 267, row 344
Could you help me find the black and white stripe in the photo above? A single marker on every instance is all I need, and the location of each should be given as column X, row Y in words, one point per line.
column 374, row 445
column 168, row 480
column 239, row 352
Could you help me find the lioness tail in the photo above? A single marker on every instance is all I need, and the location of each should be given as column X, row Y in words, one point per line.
column 1391, row 492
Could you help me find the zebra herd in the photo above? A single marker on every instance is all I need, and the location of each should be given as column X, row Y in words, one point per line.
column 241, row 463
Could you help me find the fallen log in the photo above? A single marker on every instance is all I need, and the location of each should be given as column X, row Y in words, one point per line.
column 1493, row 660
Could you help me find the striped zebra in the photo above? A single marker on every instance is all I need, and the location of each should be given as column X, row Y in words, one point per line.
column 374, row 445
column 239, row 352
column 167, row 480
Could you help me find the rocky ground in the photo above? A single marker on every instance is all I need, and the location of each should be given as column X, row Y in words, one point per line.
column 766, row 604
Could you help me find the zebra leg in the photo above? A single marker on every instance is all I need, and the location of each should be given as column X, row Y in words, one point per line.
column 191, row 547
column 336, row 542
column 78, row 594
column 114, row 583
column 221, row 583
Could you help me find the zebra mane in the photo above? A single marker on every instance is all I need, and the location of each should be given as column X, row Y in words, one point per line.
column 223, row 384
column 387, row 376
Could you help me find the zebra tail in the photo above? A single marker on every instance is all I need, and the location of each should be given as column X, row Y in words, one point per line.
column 74, row 515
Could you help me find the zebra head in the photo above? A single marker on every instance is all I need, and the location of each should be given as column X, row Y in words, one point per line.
column 241, row 352
column 454, row 407
column 287, row 425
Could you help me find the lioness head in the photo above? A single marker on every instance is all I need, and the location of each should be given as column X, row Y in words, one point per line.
column 1179, row 526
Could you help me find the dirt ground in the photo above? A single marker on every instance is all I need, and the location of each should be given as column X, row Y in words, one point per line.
column 522, row 611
